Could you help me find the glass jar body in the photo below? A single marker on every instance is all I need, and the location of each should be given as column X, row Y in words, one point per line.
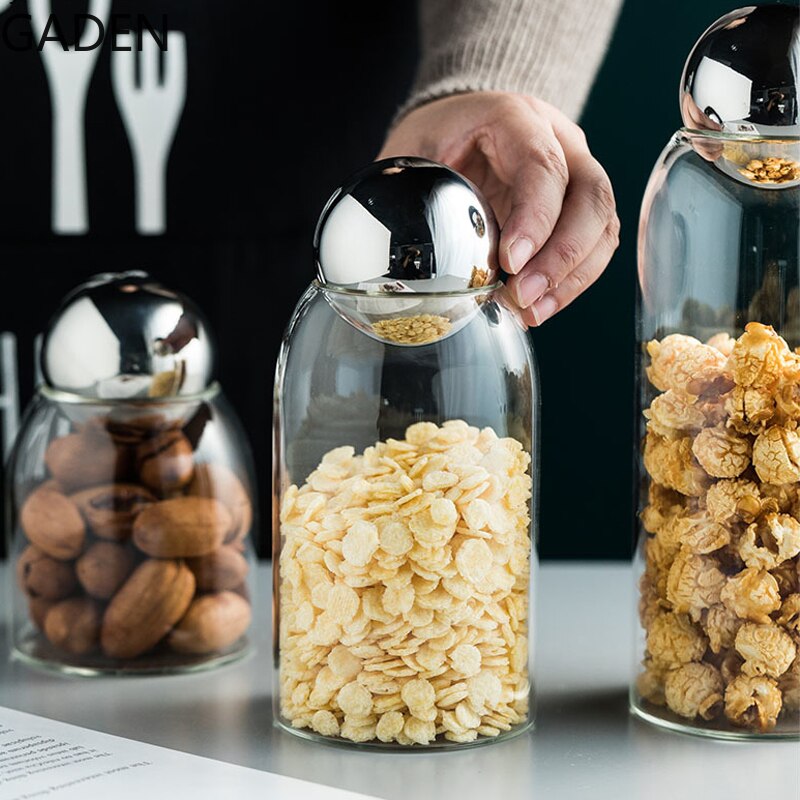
column 718, row 554
column 403, row 535
column 130, row 534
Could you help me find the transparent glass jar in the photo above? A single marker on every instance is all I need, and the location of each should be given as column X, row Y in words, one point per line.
column 718, row 556
column 129, row 528
column 404, row 521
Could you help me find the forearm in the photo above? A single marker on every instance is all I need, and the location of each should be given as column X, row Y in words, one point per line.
column 550, row 49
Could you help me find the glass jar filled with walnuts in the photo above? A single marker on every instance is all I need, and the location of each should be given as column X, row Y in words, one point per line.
column 129, row 492
column 405, row 476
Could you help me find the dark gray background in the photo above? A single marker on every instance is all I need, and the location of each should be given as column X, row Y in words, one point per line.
column 259, row 149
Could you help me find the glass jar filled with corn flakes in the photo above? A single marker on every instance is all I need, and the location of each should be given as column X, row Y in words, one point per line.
column 718, row 557
column 404, row 475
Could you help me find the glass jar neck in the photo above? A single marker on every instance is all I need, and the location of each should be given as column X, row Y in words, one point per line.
column 74, row 398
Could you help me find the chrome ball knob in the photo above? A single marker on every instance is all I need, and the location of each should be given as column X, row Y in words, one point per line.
column 125, row 336
column 407, row 223
column 742, row 75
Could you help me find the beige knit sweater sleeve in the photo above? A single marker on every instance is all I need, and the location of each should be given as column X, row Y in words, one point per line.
column 550, row 49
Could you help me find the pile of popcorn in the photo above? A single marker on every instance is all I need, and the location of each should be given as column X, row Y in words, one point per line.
column 720, row 595
column 404, row 583
column 771, row 170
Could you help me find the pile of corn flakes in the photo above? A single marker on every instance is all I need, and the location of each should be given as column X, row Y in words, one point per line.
column 404, row 587
column 720, row 595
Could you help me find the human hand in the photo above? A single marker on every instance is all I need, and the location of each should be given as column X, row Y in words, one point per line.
column 552, row 199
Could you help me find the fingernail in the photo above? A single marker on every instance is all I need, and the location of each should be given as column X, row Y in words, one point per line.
column 520, row 252
column 530, row 288
column 544, row 309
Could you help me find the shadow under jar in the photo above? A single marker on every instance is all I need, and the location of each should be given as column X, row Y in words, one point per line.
column 718, row 556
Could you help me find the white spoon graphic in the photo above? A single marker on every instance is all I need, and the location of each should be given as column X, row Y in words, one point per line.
column 69, row 73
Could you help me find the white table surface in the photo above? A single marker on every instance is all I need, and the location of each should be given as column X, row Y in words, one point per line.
column 585, row 745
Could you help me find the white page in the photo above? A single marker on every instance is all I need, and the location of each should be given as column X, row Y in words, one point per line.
column 41, row 758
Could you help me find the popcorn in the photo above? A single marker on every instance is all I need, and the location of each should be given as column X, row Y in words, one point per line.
column 721, row 625
column 673, row 411
column 776, row 455
column 403, row 589
column 753, row 702
column 700, row 534
column 759, row 357
column 789, row 685
column 694, row 583
column 749, row 409
column 790, row 614
column 684, row 364
column 720, row 593
column 671, row 463
column 673, row 640
column 766, row 649
column 731, row 501
column 722, row 453
column 752, row 594
column 694, row 690
column 769, row 542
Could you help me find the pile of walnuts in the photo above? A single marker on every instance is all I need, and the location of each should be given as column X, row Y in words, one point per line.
column 720, row 594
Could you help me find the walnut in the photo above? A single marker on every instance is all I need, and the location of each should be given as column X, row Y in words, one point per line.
column 721, row 625
column 776, row 455
column 722, row 453
column 671, row 463
column 673, row 411
column 752, row 594
column 684, row 364
column 722, row 342
column 694, row 583
column 731, row 501
column 753, row 702
column 790, row 614
column 694, row 690
column 789, row 684
column 766, row 649
column 650, row 682
column 673, row 640
column 759, row 357
column 749, row 409
column 769, row 542
column 701, row 534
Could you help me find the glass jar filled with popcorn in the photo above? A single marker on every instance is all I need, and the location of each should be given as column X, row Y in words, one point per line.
column 405, row 432
column 718, row 559
column 129, row 495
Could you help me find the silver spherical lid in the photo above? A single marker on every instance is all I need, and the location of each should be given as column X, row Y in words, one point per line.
column 743, row 74
column 125, row 336
column 407, row 225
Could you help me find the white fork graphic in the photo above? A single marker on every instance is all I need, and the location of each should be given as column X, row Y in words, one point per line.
column 69, row 73
column 151, row 112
